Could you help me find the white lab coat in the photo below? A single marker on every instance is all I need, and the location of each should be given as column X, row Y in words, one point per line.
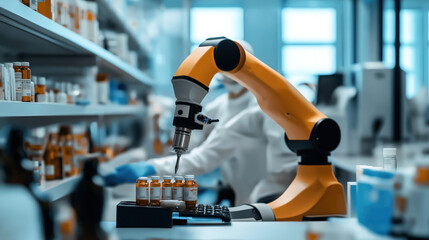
column 224, row 109
column 263, row 164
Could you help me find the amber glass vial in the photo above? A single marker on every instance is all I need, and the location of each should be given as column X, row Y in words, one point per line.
column 167, row 188
column 26, row 89
column 155, row 191
column 190, row 192
column 142, row 191
column 53, row 158
column 178, row 188
column 50, row 164
column 66, row 147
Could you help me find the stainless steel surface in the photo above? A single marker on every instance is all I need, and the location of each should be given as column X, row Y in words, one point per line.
column 176, row 168
column 181, row 139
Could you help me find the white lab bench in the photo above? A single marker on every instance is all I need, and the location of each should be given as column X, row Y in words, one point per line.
column 238, row 230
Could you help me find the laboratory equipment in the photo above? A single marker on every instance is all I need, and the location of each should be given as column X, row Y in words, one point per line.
column 371, row 113
column 131, row 215
column 309, row 133
column 326, row 85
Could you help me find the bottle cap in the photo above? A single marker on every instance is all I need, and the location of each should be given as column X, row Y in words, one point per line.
column 189, row 177
column 34, row 79
column 155, row 177
column 8, row 65
column 16, row 64
column 178, row 177
column 167, row 177
column 142, row 179
column 389, row 152
column 25, row 64
column 41, row 81
column 102, row 77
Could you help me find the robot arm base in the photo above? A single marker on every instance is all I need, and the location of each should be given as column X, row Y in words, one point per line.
column 252, row 213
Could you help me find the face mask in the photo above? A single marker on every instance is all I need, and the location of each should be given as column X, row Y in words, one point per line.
column 230, row 85
column 233, row 88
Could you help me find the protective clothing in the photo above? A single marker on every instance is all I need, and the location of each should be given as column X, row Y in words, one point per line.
column 129, row 173
column 224, row 109
column 262, row 165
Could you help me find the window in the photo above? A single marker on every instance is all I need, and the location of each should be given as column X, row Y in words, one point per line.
column 410, row 61
column 214, row 22
column 309, row 37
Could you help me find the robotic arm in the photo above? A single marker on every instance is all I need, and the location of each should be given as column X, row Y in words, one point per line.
column 310, row 134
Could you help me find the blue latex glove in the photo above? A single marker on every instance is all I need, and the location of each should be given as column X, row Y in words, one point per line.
column 129, row 173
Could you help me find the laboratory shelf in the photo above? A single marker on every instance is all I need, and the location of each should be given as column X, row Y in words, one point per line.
column 39, row 114
column 27, row 32
column 107, row 14
column 57, row 189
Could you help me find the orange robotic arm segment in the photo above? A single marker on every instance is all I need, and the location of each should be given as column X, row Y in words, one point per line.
column 278, row 98
column 199, row 65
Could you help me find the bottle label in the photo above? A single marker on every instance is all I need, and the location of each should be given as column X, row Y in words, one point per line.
column 166, row 193
column 41, row 98
column 155, row 193
column 49, row 170
column 142, row 193
column 191, row 193
column 67, row 168
column 18, row 89
column 18, row 76
column 178, row 193
column 26, row 87
column 42, row 168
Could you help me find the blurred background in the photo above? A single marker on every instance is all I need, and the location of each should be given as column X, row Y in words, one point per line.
column 100, row 93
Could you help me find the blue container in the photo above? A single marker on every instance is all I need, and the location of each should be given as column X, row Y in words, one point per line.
column 374, row 203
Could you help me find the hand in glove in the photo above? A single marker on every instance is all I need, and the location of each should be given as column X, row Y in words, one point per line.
column 129, row 173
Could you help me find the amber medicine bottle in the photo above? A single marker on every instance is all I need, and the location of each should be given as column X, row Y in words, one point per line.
column 167, row 188
column 102, row 88
column 190, row 192
column 142, row 191
column 46, row 8
column 26, row 82
column 18, row 80
column 53, row 157
column 41, row 90
column 155, row 191
column 178, row 188
column 66, row 145
column 36, row 156
column 50, row 160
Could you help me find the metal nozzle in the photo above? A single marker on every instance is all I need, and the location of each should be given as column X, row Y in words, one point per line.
column 181, row 140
